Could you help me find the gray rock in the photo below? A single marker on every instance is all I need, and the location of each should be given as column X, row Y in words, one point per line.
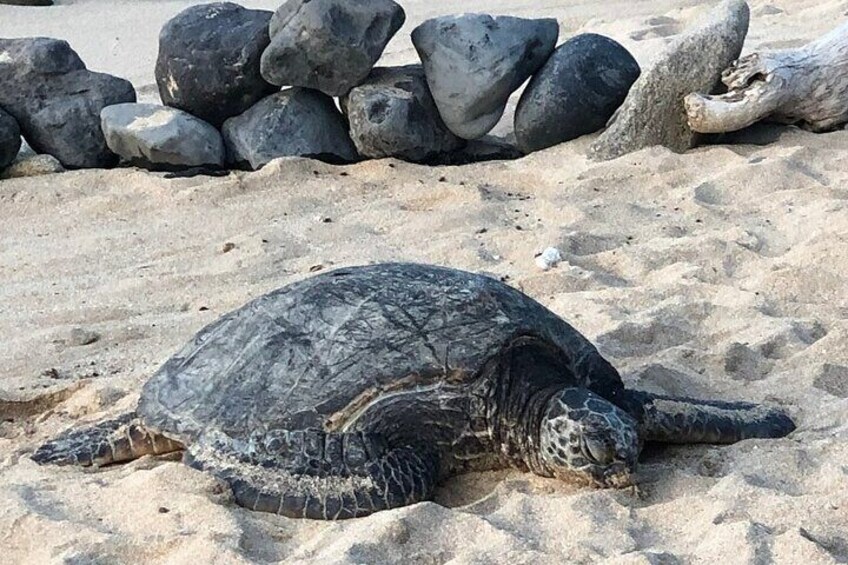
column 32, row 166
column 473, row 62
column 575, row 93
column 10, row 139
column 208, row 63
column 653, row 112
column 296, row 121
column 392, row 114
column 158, row 137
column 45, row 86
column 328, row 45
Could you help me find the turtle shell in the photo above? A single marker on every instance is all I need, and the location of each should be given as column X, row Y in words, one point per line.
column 309, row 353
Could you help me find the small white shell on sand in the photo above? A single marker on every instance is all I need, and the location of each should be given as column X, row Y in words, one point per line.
column 550, row 257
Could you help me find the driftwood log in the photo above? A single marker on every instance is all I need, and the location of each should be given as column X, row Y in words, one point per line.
column 807, row 85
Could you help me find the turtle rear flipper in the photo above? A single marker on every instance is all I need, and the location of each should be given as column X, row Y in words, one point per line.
column 317, row 475
column 112, row 441
column 686, row 420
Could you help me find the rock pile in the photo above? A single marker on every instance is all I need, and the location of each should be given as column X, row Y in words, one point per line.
column 220, row 69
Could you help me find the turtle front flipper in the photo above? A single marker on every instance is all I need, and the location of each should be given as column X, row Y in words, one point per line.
column 113, row 441
column 686, row 420
column 317, row 475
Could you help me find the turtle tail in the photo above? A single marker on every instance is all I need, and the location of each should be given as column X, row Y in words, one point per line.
column 686, row 420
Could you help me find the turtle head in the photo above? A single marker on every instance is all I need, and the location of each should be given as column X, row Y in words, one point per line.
column 585, row 438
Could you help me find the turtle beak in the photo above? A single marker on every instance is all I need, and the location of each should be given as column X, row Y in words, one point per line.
column 616, row 475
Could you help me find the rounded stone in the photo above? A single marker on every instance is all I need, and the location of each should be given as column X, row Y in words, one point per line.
column 158, row 137
column 575, row 92
column 473, row 62
column 392, row 114
column 208, row 63
column 294, row 122
column 328, row 45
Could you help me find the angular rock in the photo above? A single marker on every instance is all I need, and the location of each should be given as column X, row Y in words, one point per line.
column 328, row 45
column 158, row 137
column 473, row 62
column 392, row 114
column 32, row 166
column 208, row 63
column 575, row 93
column 653, row 112
column 10, row 139
column 45, row 86
column 296, row 121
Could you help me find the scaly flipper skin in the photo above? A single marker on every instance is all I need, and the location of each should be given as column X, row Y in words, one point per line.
column 317, row 475
column 686, row 420
column 113, row 441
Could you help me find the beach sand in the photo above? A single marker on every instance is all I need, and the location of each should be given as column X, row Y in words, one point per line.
column 720, row 273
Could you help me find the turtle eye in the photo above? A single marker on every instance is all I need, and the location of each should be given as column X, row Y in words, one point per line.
column 597, row 450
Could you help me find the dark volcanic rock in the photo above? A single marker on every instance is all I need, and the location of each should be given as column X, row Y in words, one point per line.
column 576, row 92
column 329, row 45
column 45, row 86
column 473, row 62
column 296, row 121
column 653, row 112
column 10, row 139
column 392, row 114
column 158, row 137
column 27, row 2
column 208, row 62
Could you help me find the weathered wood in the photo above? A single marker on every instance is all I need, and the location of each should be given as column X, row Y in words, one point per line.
column 807, row 85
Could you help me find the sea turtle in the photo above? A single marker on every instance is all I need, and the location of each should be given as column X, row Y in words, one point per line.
column 359, row 389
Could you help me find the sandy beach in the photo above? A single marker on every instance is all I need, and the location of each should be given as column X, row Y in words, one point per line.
column 719, row 273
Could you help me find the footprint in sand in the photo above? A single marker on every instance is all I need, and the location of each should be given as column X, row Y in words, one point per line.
column 582, row 244
column 754, row 361
column 657, row 27
column 833, row 379
column 641, row 338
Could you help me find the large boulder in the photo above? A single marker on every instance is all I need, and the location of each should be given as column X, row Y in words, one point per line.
column 158, row 137
column 392, row 114
column 10, row 139
column 45, row 86
column 473, row 62
column 328, row 45
column 575, row 93
column 294, row 122
column 653, row 112
column 208, row 63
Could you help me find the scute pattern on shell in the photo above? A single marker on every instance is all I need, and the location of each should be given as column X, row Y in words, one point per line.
column 321, row 349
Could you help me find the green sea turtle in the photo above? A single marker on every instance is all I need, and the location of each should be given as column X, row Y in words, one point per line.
column 359, row 389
